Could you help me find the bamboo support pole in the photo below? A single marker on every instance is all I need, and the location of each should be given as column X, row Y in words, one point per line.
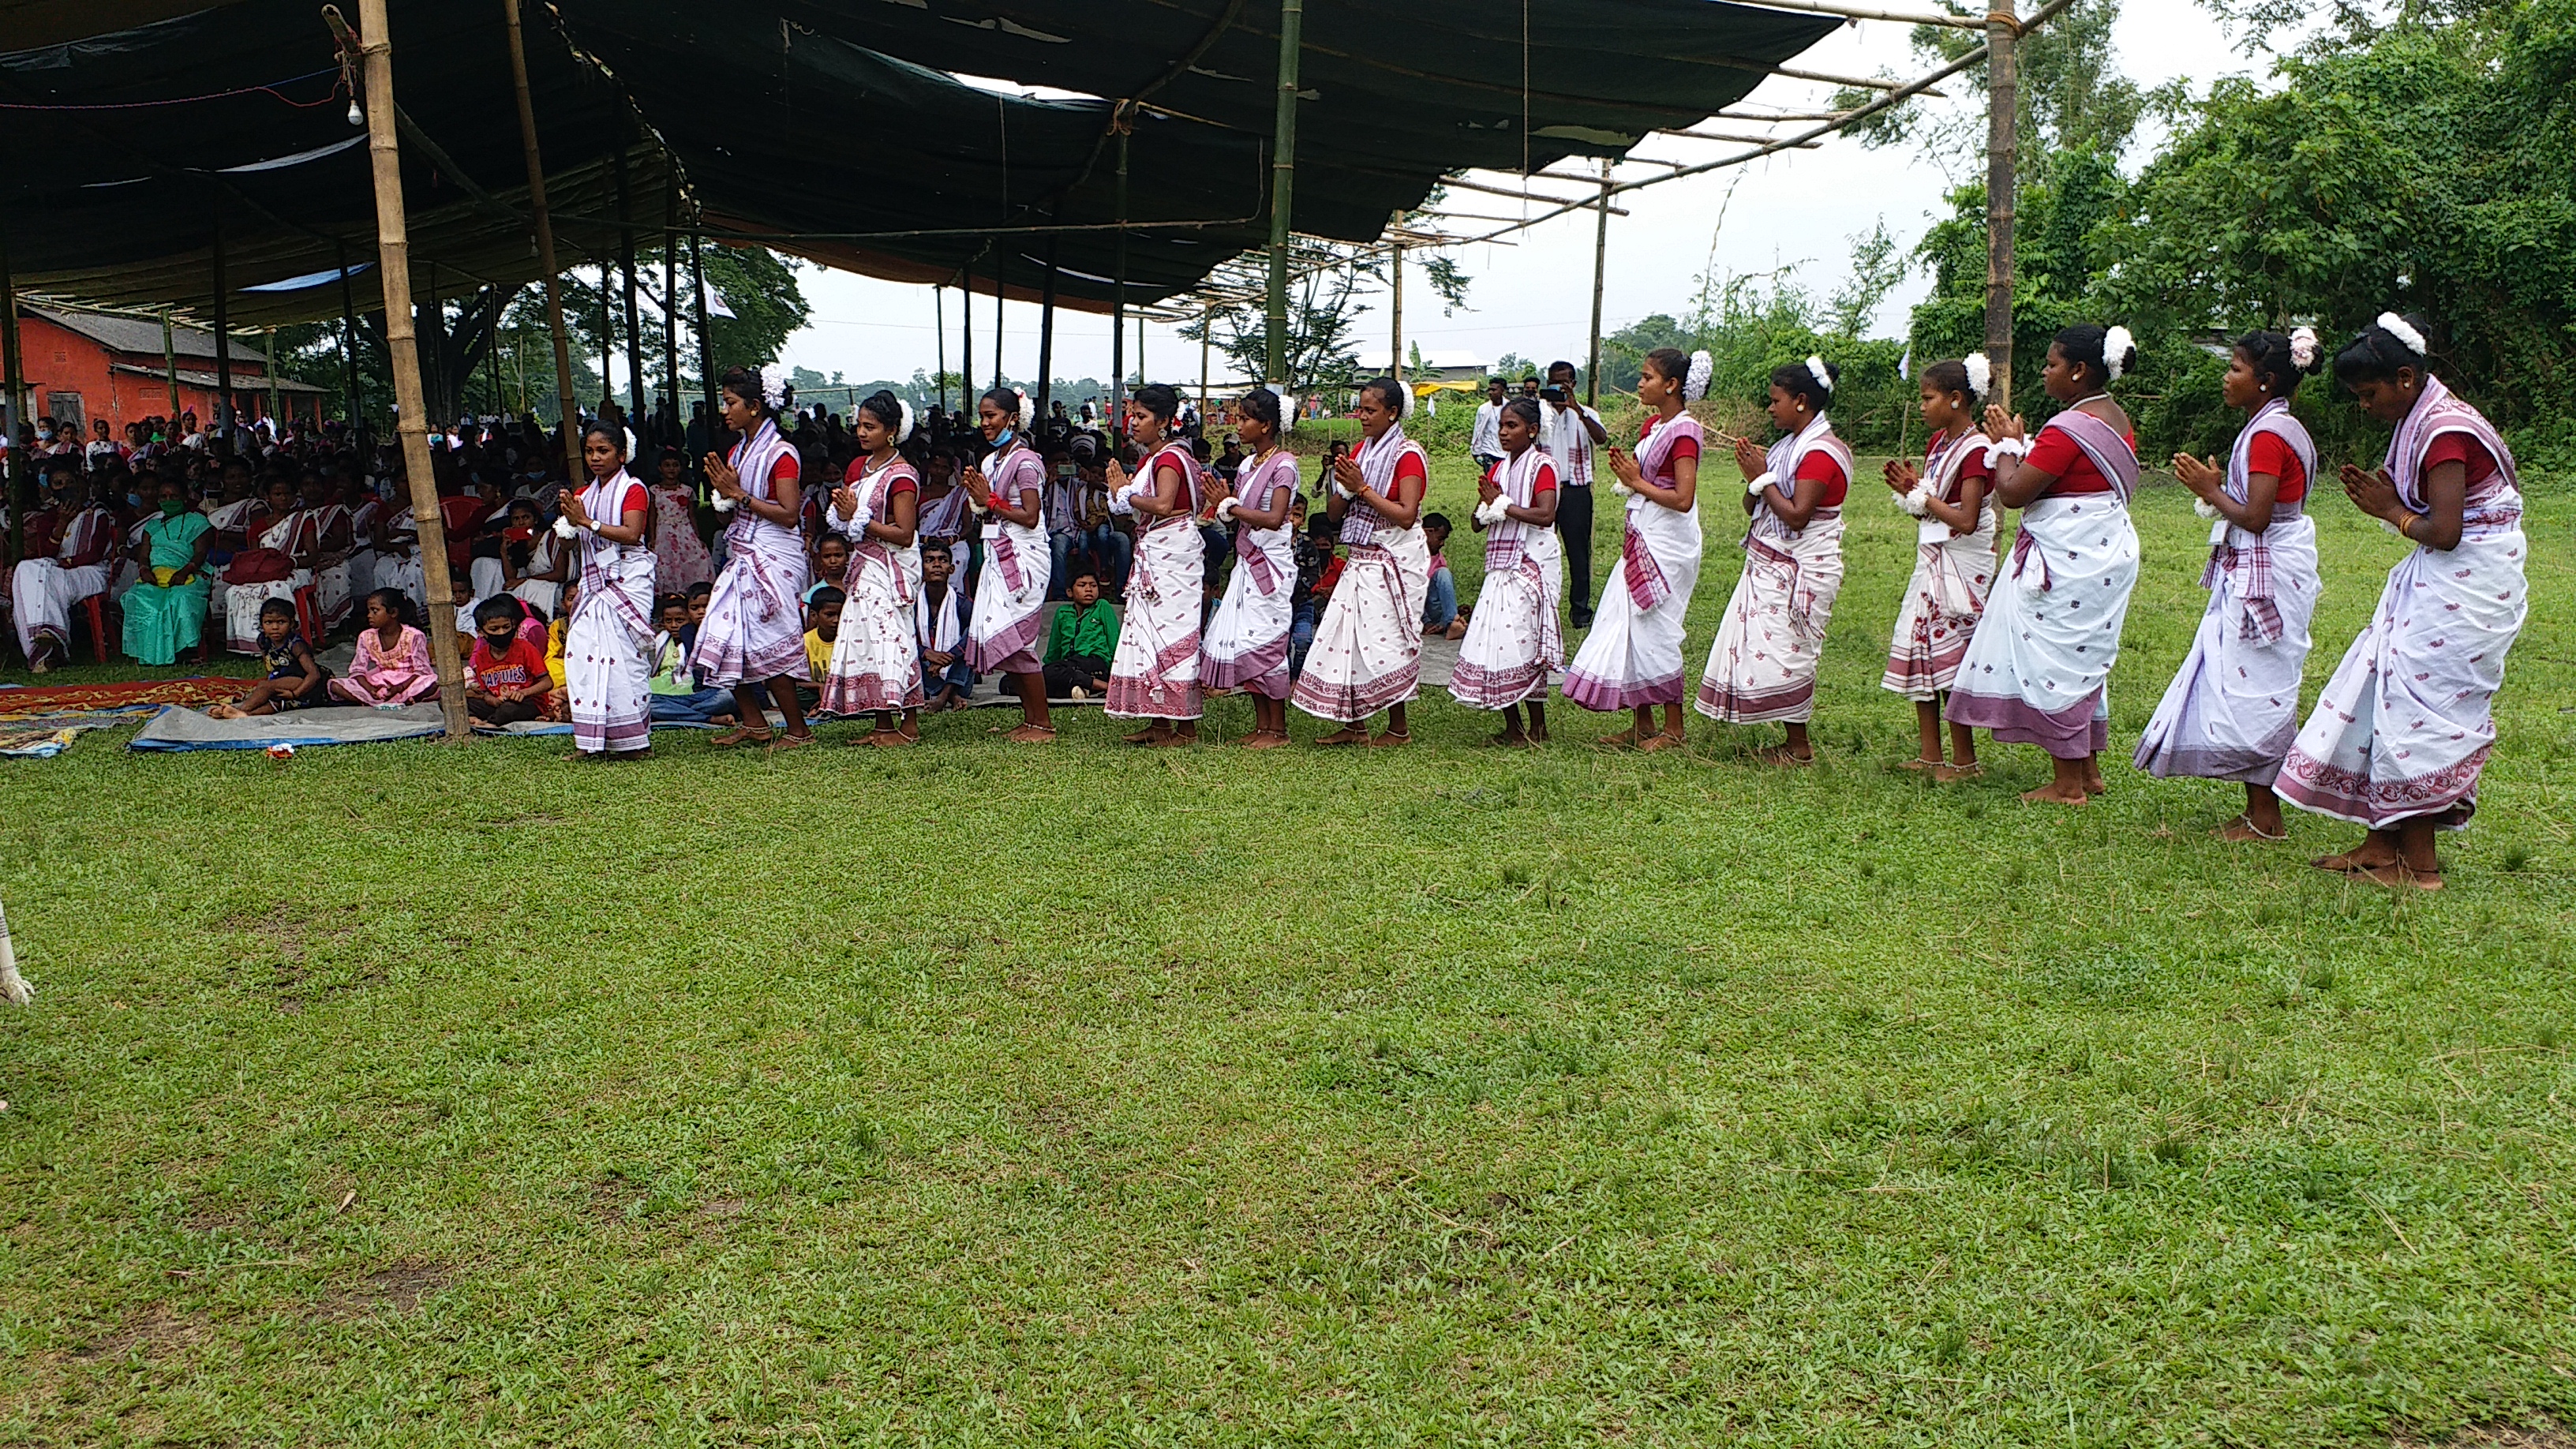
column 393, row 250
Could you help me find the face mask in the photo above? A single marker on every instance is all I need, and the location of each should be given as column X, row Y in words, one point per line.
column 1004, row 440
column 173, row 507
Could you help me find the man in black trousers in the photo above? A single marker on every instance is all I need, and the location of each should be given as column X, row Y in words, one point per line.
column 1571, row 432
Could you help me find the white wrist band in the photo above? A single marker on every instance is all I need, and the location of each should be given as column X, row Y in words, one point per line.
column 2006, row 448
column 1756, row 485
column 2205, row 508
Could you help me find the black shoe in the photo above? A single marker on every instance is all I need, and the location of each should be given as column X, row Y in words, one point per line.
column 1583, row 620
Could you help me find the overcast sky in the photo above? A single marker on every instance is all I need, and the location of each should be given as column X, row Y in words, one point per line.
column 1796, row 209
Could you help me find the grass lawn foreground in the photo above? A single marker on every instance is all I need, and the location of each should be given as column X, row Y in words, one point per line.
column 414, row 1094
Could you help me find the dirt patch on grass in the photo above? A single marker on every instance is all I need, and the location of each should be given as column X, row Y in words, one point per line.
column 398, row 1289
column 2542, row 1435
column 153, row 1332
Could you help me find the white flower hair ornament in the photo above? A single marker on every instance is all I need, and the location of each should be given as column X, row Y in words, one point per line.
column 2303, row 348
column 1981, row 373
column 1404, row 402
column 2404, row 331
column 1695, row 383
column 2117, row 344
column 774, row 391
column 903, row 422
column 1816, row 370
column 1028, row 409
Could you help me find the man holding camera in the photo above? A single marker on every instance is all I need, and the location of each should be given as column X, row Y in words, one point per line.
column 1486, row 442
column 1570, row 431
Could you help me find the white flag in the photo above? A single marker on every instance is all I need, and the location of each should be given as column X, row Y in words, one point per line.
column 716, row 305
column 1905, row 364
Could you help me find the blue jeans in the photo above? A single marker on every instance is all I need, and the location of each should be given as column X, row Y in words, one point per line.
column 1440, row 606
column 1301, row 637
column 934, row 679
column 695, row 708
column 1110, row 550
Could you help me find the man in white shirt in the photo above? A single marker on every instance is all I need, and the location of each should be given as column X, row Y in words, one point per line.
column 1571, row 432
column 1486, row 442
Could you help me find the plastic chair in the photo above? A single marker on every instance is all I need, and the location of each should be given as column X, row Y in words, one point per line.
column 94, row 607
column 308, row 613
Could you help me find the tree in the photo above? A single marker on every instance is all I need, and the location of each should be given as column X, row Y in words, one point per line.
column 2070, row 95
column 1876, row 268
column 1323, row 314
column 2426, row 170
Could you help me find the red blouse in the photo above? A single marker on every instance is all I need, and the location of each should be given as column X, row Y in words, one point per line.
column 2268, row 454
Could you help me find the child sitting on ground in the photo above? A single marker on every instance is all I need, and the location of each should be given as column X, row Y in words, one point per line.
column 559, row 701
column 1441, row 617
column 938, row 616
column 296, row 680
column 392, row 665
column 505, row 678
column 1082, row 641
column 823, row 628
column 672, row 689
column 831, row 565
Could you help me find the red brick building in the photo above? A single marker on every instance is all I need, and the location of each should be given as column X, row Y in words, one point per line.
column 87, row 365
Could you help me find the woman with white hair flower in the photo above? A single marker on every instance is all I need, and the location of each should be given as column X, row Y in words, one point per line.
column 2402, row 730
column 1010, row 602
column 2039, row 668
column 2233, row 708
column 876, row 654
column 753, row 639
column 1762, row 665
column 1632, row 658
column 1367, row 654
column 1949, row 496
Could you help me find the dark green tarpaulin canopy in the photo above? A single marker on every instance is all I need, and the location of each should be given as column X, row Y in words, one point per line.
column 832, row 129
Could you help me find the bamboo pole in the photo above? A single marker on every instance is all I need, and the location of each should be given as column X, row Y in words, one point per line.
column 1001, row 263
column 348, row 342
column 223, row 335
column 271, row 369
column 634, row 327
column 1283, row 177
column 670, row 299
column 170, row 369
column 2002, row 30
column 706, row 338
column 939, row 331
column 1395, row 348
column 545, row 229
column 1207, row 325
column 1600, row 259
column 1046, row 341
column 411, row 424
column 1118, row 312
column 966, row 339
column 13, row 404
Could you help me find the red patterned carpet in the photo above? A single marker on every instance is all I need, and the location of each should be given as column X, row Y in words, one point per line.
column 112, row 699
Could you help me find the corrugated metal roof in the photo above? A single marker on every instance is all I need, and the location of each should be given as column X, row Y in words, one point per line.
column 143, row 335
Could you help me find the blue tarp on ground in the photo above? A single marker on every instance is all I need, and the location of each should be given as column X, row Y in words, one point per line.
column 178, row 728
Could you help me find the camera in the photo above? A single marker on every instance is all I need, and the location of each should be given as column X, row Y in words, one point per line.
column 1553, row 394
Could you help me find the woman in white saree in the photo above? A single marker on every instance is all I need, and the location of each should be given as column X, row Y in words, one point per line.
column 1003, row 637
column 1632, row 658
column 1762, row 665
column 2038, row 670
column 1367, row 654
column 2403, row 728
column 2233, row 707
column 607, row 667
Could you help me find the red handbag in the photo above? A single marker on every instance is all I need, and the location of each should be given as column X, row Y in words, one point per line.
column 259, row 566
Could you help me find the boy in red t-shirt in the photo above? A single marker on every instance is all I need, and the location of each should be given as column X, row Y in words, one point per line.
column 506, row 679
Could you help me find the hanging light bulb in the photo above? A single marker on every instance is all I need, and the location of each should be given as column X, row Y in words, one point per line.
column 356, row 117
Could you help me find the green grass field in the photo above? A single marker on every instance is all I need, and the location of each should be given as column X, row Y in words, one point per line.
column 417, row 1094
